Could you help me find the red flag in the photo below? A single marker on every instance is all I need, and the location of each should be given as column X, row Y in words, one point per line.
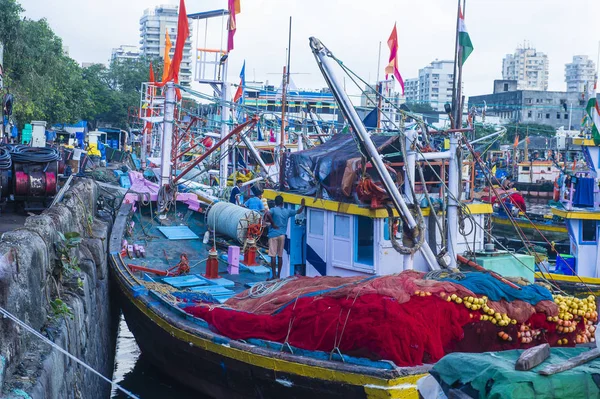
column 240, row 90
column 151, row 73
column 234, row 8
column 393, row 61
column 183, row 32
column 516, row 143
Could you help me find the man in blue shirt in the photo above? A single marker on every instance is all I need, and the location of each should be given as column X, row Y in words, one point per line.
column 278, row 217
column 236, row 193
column 255, row 203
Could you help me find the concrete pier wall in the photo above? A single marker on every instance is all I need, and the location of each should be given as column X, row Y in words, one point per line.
column 68, row 304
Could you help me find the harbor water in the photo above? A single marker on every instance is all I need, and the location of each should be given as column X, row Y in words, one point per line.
column 136, row 374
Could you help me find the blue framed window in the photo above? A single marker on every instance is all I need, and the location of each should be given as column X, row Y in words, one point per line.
column 341, row 226
column 316, row 222
column 363, row 241
column 588, row 231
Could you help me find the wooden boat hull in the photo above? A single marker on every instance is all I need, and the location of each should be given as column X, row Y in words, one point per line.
column 539, row 190
column 577, row 286
column 552, row 231
column 222, row 368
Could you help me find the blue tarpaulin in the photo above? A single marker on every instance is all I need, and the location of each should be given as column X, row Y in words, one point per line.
column 494, row 289
column 584, row 192
column 370, row 120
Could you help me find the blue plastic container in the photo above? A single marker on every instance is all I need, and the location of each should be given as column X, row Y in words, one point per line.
column 124, row 181
column 566, row 265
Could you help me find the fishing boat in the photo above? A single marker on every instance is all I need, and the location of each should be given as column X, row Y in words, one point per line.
column 579, row 206
column 370, row 296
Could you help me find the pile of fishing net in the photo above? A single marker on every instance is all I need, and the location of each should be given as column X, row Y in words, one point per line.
column 410, row 318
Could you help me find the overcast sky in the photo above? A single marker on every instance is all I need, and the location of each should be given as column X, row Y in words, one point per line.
column 352, row 30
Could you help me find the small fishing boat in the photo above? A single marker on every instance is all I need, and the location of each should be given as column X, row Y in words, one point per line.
column 536, row 227
column 579, row 206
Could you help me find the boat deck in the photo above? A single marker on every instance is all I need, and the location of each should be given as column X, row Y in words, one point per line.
column 162, row 253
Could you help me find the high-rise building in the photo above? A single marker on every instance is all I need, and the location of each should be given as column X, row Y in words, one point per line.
column 528, row 67
column 580, row 74
column 433, row 86
column 513, row 105
column 153, row 25
column 411, row 90
column 125, row 52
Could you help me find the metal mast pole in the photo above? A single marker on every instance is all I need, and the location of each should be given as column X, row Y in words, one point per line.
column 326, row 65
column 286, row 81
column 224, row 164
column 454, row 181
column 167, row 135
column 459, row 99
column 455, row 97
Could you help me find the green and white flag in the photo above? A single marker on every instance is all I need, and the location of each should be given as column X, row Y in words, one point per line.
column 464, row 40
column 593, row 110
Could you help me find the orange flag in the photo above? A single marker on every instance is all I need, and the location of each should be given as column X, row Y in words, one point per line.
column 234, row 8
column 183, row 32
column 167, row 57
column 516, row 144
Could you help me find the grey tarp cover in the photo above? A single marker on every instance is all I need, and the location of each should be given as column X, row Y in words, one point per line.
column 319, row 171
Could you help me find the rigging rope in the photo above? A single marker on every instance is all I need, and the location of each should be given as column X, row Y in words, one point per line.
column 35, row 333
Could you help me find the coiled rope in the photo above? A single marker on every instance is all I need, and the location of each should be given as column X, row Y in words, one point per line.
column 5, row 158
column 35, row 333
column 26, row 154
column 266, row 288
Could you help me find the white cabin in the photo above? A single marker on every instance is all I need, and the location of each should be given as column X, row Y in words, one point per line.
column 341, row 239
column 583, row 221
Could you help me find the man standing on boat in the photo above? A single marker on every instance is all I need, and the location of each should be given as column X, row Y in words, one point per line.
column 236, row 193
column 278, row 217
column 254, row 203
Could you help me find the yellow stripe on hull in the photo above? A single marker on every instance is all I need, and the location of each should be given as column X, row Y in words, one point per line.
column 568, row 279
column 375, row 388
column 353, row 209
column 527, row 225
column 576, row 214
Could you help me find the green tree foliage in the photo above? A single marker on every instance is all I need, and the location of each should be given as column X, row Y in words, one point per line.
column 420, row 108
column 48, row 85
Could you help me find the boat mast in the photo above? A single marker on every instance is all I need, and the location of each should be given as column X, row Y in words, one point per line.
column 285, row 82
column 326, row 65
column 224, row 163
column 167, row 137
column 379, row 89
column 453, row 124
column 458, row 97
column 455, row 169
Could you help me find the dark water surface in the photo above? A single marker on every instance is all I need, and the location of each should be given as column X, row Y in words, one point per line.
column 135, row 373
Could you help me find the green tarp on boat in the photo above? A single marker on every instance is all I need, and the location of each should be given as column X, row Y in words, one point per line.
column 493, row 375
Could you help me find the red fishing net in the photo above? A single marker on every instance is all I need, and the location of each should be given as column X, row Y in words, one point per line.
column 404, row 318
column 373, row 326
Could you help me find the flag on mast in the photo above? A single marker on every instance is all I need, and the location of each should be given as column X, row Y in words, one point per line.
column 183, row 33
column 593, row 110
column 239, row 94
column 234, row 8
column 392, row 67
column 167, row 56
column 151, row 73
column 464, row 40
